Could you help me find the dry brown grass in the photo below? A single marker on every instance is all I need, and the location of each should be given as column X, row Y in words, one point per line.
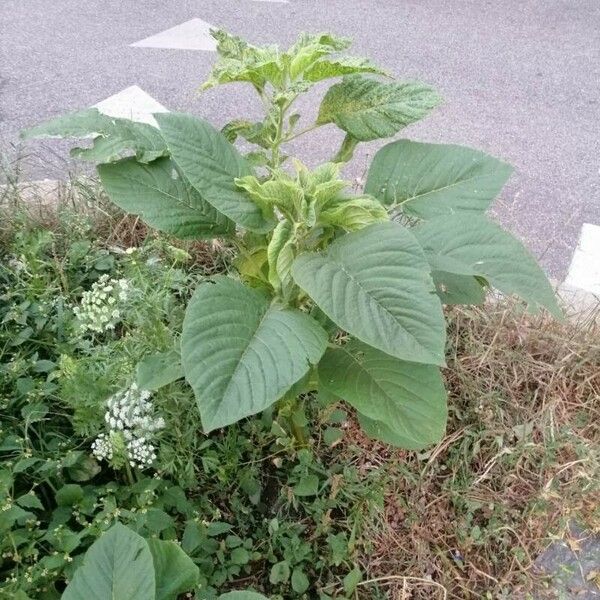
column 521, row 458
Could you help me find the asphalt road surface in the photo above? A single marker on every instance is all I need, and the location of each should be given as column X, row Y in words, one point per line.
column 520, row 78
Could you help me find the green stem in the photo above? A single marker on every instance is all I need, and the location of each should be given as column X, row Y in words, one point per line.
column 129, row 473
column 302, row 132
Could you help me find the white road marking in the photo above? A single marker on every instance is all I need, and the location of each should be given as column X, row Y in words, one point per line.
column 191, row 35
column 279, row 1
column 132, row 103
column 584, row 272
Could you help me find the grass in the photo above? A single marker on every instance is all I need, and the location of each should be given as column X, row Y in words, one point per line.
column 466, row 519
column 520, row 460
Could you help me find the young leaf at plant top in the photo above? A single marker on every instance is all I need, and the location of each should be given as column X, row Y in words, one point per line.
column 114, row 138
column 159, row 193
column 368, row 109
column 408, row 398
column 376, row 284
column 241, row 353
column 211, row 164
column 429, row 180
column 476, row 246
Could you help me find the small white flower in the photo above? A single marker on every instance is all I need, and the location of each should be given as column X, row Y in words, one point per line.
column 129, row 414
column 99, row 308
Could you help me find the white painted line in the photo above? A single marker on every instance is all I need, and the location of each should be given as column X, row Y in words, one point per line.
column 191, row 35
column 584, row 272
column 280, row 1
column 132, row 103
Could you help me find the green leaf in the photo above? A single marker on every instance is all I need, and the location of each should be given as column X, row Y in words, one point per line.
column 30, row 500
column 163, row 198
column 73, row 125
column 458, row 289
column 353, row 214
column 211, row 164
column 307, row 486
column 475, row 246
column 240, row 556
column 408, row 398
column 368, row 109
column 300, row 581
column 157, row 370
column 256, row 133
column 309, row 48
column 241, row 353
column 175, row 572
column 431, row 180
column 69, row 494
column 280, row 253
column 114, row 137
column 280, row 572
column 337, row 67
column 118, row 565
column 242, row 596
column 376, row 284
column 84, row 469
column 241, row 61
column 281, row 191
column 352, row 579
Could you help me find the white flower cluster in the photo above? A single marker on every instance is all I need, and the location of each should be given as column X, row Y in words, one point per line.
column 129, row 417
column 98, row 310
column 102, row 447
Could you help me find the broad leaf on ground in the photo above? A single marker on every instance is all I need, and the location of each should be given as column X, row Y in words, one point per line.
column 476, row 246
column 376, row 284
column 211, row 164
column 368, row 109
column 175, row 571
column 241, row 353
column 163, row 198
column 409, row 398
column 429, row 180
column 114, row 138
column 118, row 565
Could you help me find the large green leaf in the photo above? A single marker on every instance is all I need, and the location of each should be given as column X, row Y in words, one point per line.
column 376, row 284
column 408, row 398
column 473, row 245
column 114, row 138
column 435, row 179
column 211, row 164
column 118, row 565
column 163, row 198
column 241, row 353
column 175, row 571
column 368, row 109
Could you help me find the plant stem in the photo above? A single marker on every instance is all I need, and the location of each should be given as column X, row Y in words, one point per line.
column 302, row 132
column 129, row 472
